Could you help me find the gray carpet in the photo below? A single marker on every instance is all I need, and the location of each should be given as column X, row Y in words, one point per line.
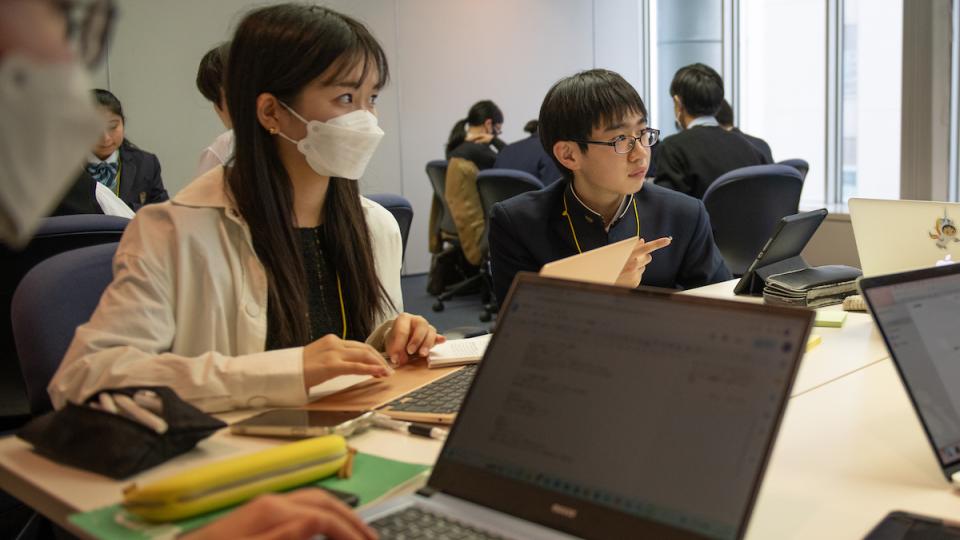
column 460, row 315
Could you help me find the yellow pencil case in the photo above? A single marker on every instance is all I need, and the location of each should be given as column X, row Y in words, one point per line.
column 233, row 481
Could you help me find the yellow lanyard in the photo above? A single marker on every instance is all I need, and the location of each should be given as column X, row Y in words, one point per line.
column 573, row 231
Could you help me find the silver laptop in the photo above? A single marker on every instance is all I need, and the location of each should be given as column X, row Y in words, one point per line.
column 603, row 412
column 917, row 314
column 893, row 236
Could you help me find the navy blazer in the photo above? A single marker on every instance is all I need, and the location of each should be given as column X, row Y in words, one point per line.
column 530, row 230
column 140, row 181
column 528, row 155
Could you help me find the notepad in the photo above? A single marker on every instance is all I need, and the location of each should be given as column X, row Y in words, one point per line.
column 601, row 265
column 813, row 341
column 830, row 319
column 458, row 352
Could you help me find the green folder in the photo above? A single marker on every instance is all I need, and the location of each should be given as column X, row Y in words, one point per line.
column 373, row 477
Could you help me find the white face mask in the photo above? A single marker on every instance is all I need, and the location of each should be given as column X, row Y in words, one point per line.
column 340, row 147
column 48, row 126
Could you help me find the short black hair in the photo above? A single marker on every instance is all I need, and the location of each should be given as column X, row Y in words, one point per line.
column 210, row 72
column 700, row 89
column 107, row 100
column 574, row 106
column 725, row 114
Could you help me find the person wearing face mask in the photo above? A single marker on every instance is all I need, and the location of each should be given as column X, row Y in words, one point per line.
column 49, row 122
column 272, row 275
column 703, row 150
column 210, row 85
column 471, row 147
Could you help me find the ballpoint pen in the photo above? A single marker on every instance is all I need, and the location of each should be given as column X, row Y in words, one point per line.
column 422, row 430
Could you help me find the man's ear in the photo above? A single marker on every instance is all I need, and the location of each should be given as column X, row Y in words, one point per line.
column 677, row 105
column 268, row 112
column 569, row 155
column 488, row 125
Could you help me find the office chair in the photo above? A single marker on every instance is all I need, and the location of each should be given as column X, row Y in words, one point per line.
column 744, row 206
column 55, row 235
column 798, row 164
column 401, row 209
column 497, row 185
column 54, row 298
column 446, row 234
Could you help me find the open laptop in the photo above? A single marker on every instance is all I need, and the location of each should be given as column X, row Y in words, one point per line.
column 917, row 314
column 893, row 236
column 605, row 412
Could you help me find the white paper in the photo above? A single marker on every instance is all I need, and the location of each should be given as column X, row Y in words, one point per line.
column 458, row 351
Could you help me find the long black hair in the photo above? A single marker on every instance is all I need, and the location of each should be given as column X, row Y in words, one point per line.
column 479, row 113
column 279, row 50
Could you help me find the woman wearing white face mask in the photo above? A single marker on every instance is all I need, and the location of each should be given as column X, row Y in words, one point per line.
column 263, row 278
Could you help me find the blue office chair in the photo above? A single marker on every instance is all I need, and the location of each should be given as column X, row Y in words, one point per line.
column 744, row 206
column 798, row 164
column 495, row 185
column 401, row 209
column 55, row 235
column 55, row 297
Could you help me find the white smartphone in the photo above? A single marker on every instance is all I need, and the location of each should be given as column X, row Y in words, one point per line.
column 300, row 423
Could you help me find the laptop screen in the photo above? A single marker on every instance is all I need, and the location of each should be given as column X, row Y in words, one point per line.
column 918, row 318
column 655, row 406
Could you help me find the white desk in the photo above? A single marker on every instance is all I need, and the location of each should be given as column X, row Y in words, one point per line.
column 847, row 454
column 58, row 491
column 854, row 346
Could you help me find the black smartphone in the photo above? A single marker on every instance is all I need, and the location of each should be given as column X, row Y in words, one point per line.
column 348, row 499
column 899, row 524
column 300, row 423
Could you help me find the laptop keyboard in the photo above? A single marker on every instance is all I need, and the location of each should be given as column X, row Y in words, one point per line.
column 413, row 522
column 443, row 396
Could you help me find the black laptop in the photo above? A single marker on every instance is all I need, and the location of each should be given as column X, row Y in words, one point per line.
column 603, row 412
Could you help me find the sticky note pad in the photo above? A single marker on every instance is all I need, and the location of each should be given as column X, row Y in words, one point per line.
column 830, row 319
column 813, row 341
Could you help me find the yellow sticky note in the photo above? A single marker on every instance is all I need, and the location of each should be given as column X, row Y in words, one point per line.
column 813, row 341
column 830, row 319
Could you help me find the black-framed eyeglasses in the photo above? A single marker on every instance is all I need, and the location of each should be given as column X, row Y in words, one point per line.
column 624, row 144
column 89, row 25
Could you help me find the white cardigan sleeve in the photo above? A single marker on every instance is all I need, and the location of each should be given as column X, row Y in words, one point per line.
column 128, row 340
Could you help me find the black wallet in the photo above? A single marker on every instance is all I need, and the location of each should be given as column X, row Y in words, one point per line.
column 811, row 287
column 114, row 445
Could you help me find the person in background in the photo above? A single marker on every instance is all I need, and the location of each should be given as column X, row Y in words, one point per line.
column 528, row 155
column 476, row 137
column 210, row 85
column 725, row 119
column 130, row 173
column 689, row 161
column 49, row 125
column 471, row 147
column 594, row 124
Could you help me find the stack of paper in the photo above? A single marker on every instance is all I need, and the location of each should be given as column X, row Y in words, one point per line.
column 458, row 352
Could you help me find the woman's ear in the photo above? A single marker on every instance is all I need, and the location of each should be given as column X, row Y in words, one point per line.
column 268, row 112
column 568, row 154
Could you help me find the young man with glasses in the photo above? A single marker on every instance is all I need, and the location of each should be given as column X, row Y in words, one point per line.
column 594, row 126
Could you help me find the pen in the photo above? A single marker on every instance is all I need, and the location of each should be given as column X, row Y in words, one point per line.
column 421, row 430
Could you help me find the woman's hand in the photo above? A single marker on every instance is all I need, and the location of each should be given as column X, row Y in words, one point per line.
column 305, row 513
column 632, row 271
column 410, row 336
column 330, row 357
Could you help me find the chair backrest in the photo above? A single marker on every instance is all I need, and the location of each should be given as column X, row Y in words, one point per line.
column 54, row 298
column 401, row 209
column 495, row 185
column 55, row 235
column 745, row 205
column 798, row 164
column 437, row 172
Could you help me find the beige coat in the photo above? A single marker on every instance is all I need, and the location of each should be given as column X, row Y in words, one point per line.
column 187, row 308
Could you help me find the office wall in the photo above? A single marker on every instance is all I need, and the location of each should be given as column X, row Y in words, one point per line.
column 444, row 55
